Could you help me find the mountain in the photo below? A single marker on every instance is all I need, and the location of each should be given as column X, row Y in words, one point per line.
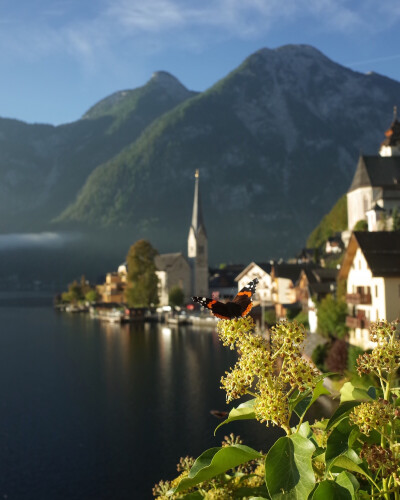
column 276, row 143
column 42, row 167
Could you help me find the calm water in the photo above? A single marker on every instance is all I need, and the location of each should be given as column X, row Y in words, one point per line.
column 96, row 411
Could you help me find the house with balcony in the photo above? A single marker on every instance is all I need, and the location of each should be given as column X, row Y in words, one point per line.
column 371, row 268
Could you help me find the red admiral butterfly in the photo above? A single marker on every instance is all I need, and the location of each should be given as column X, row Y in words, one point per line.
column 239, row 307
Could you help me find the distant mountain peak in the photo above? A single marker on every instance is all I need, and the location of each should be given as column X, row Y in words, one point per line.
column 166, row 80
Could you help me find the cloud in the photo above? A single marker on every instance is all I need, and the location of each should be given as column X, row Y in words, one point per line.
column 90, row 34
column 35, row 240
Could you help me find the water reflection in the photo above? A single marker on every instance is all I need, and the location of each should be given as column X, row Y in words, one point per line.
column 94, row 410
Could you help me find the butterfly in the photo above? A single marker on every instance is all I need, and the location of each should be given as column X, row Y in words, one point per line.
column 239, row 307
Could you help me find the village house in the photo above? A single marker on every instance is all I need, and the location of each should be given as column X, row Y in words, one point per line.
column 113, row 289
column 371, row 266
column 262, row 271
column 375, row 190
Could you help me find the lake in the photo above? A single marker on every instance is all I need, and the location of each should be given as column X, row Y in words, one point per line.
column 90, row 410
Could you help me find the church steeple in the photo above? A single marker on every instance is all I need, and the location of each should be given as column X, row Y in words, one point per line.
column 197, row 214
column 198, row 245
column 391, row 145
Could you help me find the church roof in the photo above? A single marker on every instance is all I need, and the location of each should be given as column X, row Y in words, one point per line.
column 377, row 171
column 166, row 260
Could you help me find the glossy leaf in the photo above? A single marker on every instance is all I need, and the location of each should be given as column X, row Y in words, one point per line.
column 215, row 461
column 330, row 490
column 341, row 412
column 348, row 464
column 351, row 393
column 244, row 411
column 348, row 481
column 338, row 444
column 288, row 470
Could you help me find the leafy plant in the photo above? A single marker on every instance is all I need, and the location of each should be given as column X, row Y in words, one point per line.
column 354, row 454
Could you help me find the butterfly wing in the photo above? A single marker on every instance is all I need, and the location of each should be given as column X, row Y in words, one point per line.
column 219, row 309
column 243, row 298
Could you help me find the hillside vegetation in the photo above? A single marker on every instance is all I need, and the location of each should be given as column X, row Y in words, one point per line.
column 334, row 222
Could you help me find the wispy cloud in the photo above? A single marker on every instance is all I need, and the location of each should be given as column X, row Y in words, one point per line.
column 158, row 24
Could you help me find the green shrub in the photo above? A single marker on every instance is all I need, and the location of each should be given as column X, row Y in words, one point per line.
column 319, row 354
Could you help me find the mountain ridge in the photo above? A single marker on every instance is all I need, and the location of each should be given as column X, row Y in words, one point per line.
column 276, row 142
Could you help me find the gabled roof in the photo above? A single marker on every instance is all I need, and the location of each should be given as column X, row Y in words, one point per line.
column 265, row 266
column 381, row 250
column 377, row 171
column 290, row 271
column 166, row 260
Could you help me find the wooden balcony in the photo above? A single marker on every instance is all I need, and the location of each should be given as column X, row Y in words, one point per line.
column 359, row 298
column 352, row 322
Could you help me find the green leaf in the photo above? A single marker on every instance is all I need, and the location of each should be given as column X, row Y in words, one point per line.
column 350, row 393
column 348, row 481
column 305, row 403
column 305, row 430
column 348, row 464
column 330, row 490
column 215, row 461
column 288, row 470
column 244, row 411
column 342, row 412
column 338, row 444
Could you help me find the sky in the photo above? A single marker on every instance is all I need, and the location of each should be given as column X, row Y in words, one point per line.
column 60, row 57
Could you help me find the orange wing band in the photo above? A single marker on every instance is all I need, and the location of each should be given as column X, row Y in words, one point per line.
column 249, row 294
column 210, row 304
column 247, row 310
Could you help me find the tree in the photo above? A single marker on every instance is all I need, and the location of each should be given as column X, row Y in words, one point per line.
column 142, row 279
column 176, row 296
column 91, row 295
column 74, row 293
column 361, row 225
column 331, row 315
column 396, row 220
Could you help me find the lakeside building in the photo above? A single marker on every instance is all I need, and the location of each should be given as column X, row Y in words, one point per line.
column 173, row 269
column 371, row 266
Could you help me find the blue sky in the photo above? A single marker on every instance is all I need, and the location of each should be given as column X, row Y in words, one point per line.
column 59, row 57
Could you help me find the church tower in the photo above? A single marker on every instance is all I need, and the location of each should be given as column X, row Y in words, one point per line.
column 198, row 246
column 391, row 145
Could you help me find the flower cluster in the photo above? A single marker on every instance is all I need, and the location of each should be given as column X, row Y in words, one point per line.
column 268, row 371
column 385, row 357
column 379, row 458
column 372, row 415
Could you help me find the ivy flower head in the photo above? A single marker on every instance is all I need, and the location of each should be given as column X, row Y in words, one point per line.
column 268, row 371
column 372, row 415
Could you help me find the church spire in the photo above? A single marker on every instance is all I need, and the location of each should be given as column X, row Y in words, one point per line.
column 197, row 214
column 198, row 246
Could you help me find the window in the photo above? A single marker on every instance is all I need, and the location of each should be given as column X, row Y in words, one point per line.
column 376, row 290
